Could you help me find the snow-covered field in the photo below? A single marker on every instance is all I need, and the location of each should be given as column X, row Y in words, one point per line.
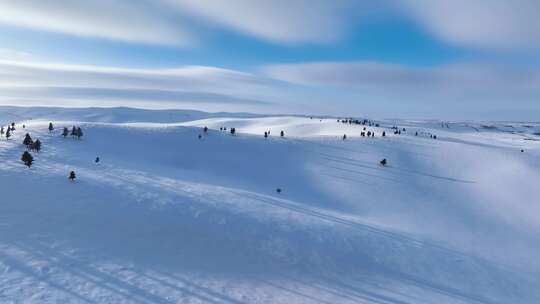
column 166, row 217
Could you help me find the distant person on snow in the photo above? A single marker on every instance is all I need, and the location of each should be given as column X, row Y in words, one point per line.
column 282, row 133
column 72, row 176
column 383, row 162
column 97, row 160
column 344, row 136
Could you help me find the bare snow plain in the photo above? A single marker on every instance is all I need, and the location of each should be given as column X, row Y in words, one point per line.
column 166, row 217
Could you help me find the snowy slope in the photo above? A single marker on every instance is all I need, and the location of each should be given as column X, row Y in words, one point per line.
column 166, row 217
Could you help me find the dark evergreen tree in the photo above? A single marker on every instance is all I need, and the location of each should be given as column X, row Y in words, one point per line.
column 27, row 140
column 27, row 159
column 383, row 133
column 344, row 136
column 97, row 160
column 205, row 129
column 51, row 127
column 37, row 145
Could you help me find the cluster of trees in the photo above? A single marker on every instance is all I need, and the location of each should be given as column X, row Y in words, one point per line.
column 75, row 132
column 267, row 133
column 31, row 144
column 9, row 129
column 358, row 122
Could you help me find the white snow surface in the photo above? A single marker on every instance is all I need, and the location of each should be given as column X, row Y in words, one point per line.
column 166, row 217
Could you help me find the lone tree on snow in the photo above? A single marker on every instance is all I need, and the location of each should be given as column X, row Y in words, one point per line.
column 72, row 175
column 27, row 159
column 51, row 127
column 65, row 133
column 27, row 141
column 79, row 133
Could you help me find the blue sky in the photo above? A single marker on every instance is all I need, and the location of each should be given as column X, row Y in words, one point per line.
column 402, row 58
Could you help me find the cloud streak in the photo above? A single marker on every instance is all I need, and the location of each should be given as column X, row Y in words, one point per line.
column 476, row 24
column 475, row 84
column 129, row 21
column 121, row 86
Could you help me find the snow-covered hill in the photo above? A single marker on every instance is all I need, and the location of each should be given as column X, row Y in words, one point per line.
column 166, row 217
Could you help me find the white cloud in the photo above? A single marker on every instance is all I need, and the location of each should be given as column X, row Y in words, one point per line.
column 478, row 23
column 474, row 84
column 497, row 24
column 172, row 21
column 132, row 21
column 120, row 86
column 277, row 20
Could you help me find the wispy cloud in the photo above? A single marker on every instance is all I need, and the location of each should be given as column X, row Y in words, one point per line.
column 278, row 20
column 479, row 23
column 476, row 84
column 132, row 21
column 120, row 86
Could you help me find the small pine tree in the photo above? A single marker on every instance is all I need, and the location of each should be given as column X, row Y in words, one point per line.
column 51, row 127
column 27, row 140
column 27, row 159
column 37, row 145
column 65, row 133
column 79, row 133
column 383, row 133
